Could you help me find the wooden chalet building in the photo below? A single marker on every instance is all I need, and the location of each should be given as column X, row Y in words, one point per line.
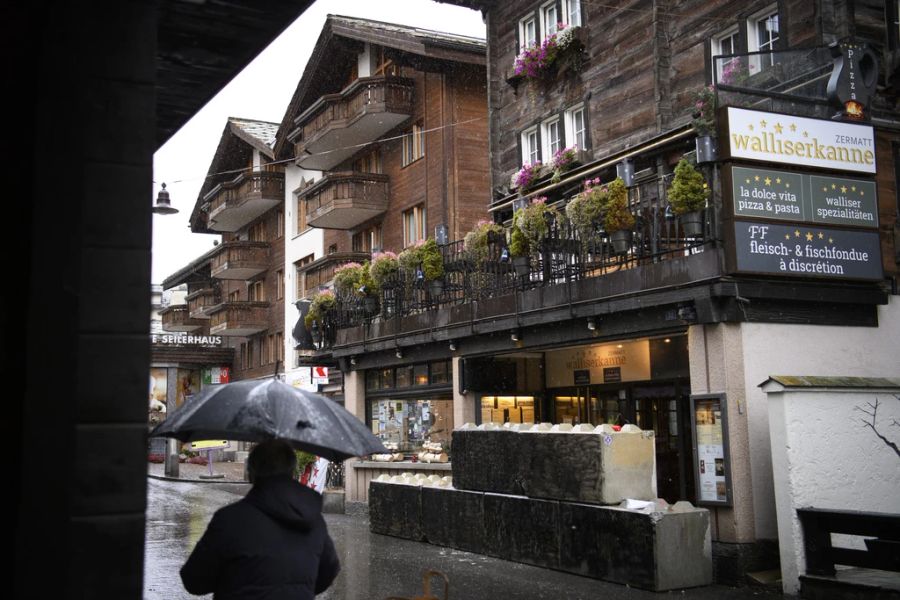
column 793, row 271
column 236, row 290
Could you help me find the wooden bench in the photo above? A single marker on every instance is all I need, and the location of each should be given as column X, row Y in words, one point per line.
column 881, row 530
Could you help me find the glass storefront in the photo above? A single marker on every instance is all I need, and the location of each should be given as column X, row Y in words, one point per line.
column 411, row 404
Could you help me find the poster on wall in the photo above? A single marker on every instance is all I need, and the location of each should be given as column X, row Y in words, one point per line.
column 711, row 463
column 158, row 384
column 188, row 385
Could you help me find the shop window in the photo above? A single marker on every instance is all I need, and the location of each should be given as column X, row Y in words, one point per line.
column 420, row 375
column 387, row 379
column 404, row 376
column 441, row 372
column 373, row 379
column 507, row 409
column 411, row 422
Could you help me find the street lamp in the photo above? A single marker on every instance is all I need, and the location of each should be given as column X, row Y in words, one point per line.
column 163, row 206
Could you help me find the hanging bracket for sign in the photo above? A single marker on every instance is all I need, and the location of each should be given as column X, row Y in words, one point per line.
column 712, row 462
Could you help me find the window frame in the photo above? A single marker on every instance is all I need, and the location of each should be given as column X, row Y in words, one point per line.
column 524, row 41
column 753, row 44
column 547, row 142
column 571, row 132
column 566, row 7
column 415, row 218
column 548, row 28
column 531, row 149
column 413, row 145
column 732, row 33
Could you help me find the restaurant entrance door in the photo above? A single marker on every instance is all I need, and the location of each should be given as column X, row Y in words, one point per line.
column 662, row 407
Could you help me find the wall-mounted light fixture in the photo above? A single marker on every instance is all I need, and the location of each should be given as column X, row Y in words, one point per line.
column 592, row 324
column 398, row 353
column 452, row 346
column 625, row 170
column 353, row 360
column 514, row 336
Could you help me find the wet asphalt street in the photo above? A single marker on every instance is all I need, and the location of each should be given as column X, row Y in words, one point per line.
column 374, row 566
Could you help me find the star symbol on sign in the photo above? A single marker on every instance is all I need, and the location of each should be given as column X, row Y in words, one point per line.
column 768, row 181
column 778, row 127
column 821, row 235
column 793, row 127
column 778, row 180
column 824, row 188
column 830, row 240
column 805, row 134
column 843, row 189
column 787, row 236
column 853, row 187
column 756, row 178
column 809, row 237
column 834, row 186
column 787, row 185
column 763, row 124
column 862, row 193
column 750, row 126
column 747, row 180
column 796, row 233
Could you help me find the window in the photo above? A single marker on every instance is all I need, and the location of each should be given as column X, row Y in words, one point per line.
column 571, row 12
column 300, row 277
column 256, row 291
column 549, row 20
column 762, row 33
column 550, row 135
column 301, row 223
column 368, row 240
column 234, row 296
column 279, row 284
column 527, row 32
column 413, row 225
column 576, row 131
column 414, row 144
column 368, row 163
column 724, row 44
column 279, row 224
column 279, row 346
column 531, row 152
column 257, row 232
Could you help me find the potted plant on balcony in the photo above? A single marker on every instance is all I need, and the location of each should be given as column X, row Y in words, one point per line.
column 432, row 262
column 687, row 197
column 554, row 56
column 525, row 178
column 585, row 209
column 519, row 251
column 383, row 269
column 320, row 306
column 617, row 218
column 346, row 278
column 476, row 241
column 704, row 123
column 563, row 160
column 534, row 220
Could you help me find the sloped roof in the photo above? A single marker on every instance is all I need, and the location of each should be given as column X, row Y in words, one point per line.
column 429, row 46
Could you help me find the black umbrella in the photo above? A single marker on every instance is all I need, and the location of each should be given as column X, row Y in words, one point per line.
column 257, row 410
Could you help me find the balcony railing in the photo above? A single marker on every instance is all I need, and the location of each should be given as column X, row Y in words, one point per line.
column 564, row 257
column 236, row 203
column 319, row 273
column 330, row 130
column 201, row 301
column 177, row 318
column 346, row 200
column 240, row 260
column 239, row 318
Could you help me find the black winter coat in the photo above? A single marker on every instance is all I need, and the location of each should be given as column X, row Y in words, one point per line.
column 271, row 544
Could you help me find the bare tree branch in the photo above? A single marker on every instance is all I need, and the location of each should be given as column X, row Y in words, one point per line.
column 873, row 414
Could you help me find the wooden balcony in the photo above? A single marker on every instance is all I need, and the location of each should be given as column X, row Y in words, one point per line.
column 346, row 200
column 201, row 301
column 240, row 260
column 177, row 318
column 319, row 273
column 236, row 203
column 238, row 318
column 330, row 131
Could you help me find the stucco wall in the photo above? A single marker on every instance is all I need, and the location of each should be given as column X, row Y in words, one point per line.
column 824, row 456
column 771, row 349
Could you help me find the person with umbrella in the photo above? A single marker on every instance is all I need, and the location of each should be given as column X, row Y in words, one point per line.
column 273, row 543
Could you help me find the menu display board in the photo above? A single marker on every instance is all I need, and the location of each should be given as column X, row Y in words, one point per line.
column 711, row 461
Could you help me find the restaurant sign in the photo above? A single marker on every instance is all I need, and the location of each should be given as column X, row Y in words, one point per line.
column 790, row 196
column 805, row 251
column 602, row 363
column 788, row 139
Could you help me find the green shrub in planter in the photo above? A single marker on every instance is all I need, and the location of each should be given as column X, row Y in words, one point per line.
column 688, row 192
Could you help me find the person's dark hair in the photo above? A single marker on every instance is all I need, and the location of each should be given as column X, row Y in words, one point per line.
column 270, row 459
